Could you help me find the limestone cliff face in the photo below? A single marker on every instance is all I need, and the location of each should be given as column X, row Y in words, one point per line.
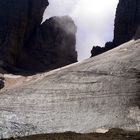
column 61, row 42
column 18, row 20
column 52, row 46
column 23, row 40
column 127, row 21
column 127, row 25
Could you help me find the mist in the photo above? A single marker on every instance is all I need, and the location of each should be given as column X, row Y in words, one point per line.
column 94, row 20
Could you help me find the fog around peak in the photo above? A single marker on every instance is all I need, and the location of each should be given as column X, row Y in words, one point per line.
column 94, row 20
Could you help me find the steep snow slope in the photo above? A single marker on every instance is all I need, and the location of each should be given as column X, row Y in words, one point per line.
column 94, row 95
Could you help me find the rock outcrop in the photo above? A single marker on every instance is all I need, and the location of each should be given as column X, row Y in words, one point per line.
column 96, row 50
column 19, row 20
column 20, row 30
column 127, row 25
column 127, row 21
column 94, row 95
column 1, row 81
column 52, row 46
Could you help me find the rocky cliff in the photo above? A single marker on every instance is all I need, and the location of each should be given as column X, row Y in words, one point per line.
column 127, row 25
column 19, row 20
column 52, row 46
column 91, row 96
column 127, row 21
column 22, row 37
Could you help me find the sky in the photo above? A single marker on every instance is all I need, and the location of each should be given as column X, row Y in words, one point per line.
column 94, row 20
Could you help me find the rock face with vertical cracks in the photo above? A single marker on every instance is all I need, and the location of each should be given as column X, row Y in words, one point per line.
column 19, row 20
column 20, row 25
column 127, row 21
column 95, row 95
column 52, row 46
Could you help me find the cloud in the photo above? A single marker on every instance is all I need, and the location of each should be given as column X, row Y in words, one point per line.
column 94, row 19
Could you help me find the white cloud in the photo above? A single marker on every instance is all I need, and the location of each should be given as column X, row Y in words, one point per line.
column 94, row 19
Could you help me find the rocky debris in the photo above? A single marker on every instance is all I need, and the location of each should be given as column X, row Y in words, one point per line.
column 1, row 81
column 90, row 96
column 23, row 40
column 52, row 47
column 127, row 25
column 113, row 134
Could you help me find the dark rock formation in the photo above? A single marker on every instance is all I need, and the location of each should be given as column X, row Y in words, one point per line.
column 127, row 24
column 127, row 21
column 96, row 50
column 52, row 46
column 1, row 81
column 18, row 21
column 22, row 36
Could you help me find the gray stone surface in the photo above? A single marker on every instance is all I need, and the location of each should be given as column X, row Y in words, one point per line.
column 94, row 95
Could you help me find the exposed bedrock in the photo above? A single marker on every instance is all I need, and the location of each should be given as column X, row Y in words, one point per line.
column 52, row 46
column 23, row 39
column 127, row 21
